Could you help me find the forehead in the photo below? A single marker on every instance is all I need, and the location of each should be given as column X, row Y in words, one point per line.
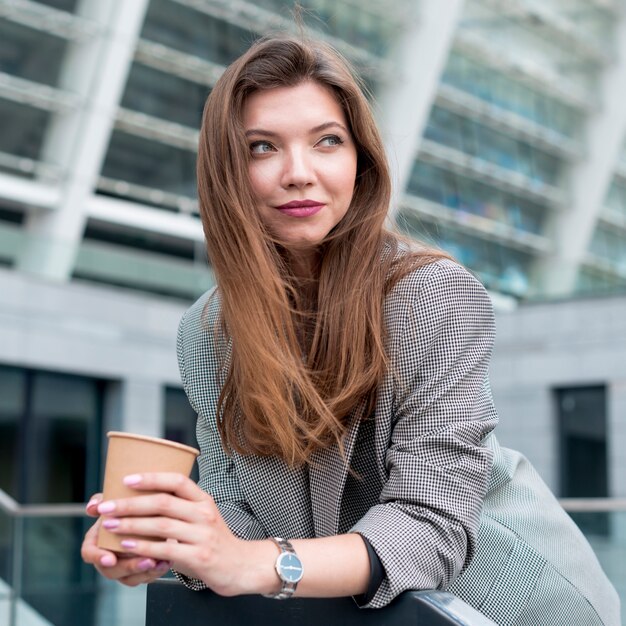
column 306, row 105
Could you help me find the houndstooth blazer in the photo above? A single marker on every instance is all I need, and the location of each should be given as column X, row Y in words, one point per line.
column 441, row 503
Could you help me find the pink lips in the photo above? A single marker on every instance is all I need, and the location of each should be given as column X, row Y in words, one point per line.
column 301, row 208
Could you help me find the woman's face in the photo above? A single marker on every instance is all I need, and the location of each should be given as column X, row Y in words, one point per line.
column 303, row 161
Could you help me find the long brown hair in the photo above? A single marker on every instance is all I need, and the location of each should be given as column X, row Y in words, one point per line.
column 299, row 366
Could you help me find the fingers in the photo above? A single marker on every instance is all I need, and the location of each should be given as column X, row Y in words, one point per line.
column 90, row 552
column 162, row 505
column 146, row 577
column 153, row 527
column 168, row 482
column 133, row 570
column 92, row 505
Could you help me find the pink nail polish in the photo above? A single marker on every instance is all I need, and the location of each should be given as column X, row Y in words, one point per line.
column 111, row 523
column 129, row 544
column 107, row 560
column 91, row 503
column 106, row 507
column 132, row 479
column 146, row 564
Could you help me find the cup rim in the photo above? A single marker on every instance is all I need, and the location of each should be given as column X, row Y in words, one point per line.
column 157, row 440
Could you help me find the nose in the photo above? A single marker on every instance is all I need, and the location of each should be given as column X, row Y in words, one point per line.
column 298, row 170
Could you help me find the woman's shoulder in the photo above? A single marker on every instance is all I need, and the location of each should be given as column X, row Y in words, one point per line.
column 202, row 315
column 442, row 280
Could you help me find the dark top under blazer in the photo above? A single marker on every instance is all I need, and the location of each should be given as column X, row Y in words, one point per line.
column 441, row 503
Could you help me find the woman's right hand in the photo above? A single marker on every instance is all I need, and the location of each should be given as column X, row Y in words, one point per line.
column 130, row 571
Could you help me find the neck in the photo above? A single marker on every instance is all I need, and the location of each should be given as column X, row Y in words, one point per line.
column 303, row 264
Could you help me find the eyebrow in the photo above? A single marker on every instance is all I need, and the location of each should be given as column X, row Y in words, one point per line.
column 316, row 129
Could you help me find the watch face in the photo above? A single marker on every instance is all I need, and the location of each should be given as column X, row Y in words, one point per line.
column 289, row 567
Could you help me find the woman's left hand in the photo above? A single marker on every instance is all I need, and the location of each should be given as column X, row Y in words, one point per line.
column 200, row 543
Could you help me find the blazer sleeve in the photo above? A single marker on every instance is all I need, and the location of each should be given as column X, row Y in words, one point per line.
column 425, row 526
column 217, row 471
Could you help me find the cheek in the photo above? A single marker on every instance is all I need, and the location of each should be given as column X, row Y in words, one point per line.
column 346, row 181
column 261, row 180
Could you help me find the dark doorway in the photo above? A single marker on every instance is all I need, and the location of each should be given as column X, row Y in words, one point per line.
column 583, row 471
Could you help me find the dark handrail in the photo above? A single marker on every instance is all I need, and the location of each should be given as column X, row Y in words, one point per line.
column 169, row 602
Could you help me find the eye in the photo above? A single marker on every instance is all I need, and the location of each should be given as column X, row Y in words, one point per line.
column 261, row 147
column 330, row 141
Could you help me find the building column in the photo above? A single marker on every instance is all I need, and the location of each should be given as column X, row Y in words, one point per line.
column 136, row 406
column 420, row 56
column 589, row 179
column 96, row 70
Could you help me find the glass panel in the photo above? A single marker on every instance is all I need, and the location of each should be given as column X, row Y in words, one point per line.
column 372, row 27
column 593, row 283
column 195, row 32
column 153, row 273
column 56, row 583
column 56, row 586
column 144, row 240
column 616, row 198
column 477, row 140
column 30, row 53
column 6, row 558
column 609, row 245
column 12, row 408
column 162, row 95
column 610, row 547
column 498, row 267
column 62, row 5
column 63, row 419
column 180, row 421
column 533, row 41
column 24, row 133
column 150, row 164
column 464, row 194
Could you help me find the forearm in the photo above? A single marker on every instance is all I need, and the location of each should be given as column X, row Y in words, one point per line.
column 333, row 566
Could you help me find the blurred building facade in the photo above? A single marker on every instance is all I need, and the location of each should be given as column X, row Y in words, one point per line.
column 505, row 124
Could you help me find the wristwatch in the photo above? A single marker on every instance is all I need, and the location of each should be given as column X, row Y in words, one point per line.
column 289, row 569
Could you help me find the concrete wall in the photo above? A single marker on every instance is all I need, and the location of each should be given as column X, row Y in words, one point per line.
column 124, row 337
column 560, row 344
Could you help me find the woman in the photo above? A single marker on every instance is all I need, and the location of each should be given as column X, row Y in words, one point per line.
column 349, row 374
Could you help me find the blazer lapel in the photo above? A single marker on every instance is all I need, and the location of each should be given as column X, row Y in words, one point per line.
column 327, row 478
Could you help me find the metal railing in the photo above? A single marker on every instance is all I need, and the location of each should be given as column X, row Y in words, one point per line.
column 19, row 513
column 611, row 547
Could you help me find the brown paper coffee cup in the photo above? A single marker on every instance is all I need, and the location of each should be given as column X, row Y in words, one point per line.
column 136, row 454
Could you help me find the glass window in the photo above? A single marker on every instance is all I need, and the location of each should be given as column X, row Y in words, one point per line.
column 609, row 245
column 616, row 198
column 30, row 54
column 163, row 95
column 50, row 426
column 62, row 5
column 367, row 28
column 12, row 403
column 581, row 416
column 499, row 267
column 459, row 192
column 180, row 420
column 150, row 241
column 478, row 140
column 24, row 135
column 150, row 164
column 194, row 32
column 493, row 86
